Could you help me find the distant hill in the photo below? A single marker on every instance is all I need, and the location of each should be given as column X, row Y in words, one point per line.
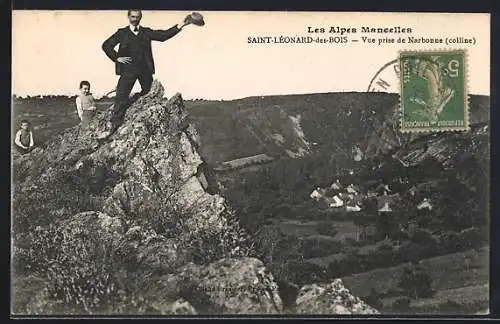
column 329, row 121
column 278, row 126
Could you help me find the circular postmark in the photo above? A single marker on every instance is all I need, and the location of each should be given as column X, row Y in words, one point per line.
column 386, row 79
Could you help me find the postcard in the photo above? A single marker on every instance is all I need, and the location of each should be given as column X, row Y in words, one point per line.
column 171, row 163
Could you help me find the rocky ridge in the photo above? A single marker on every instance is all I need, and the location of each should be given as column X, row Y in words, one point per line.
column 154, row 202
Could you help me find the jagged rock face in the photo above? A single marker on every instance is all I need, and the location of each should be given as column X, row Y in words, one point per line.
column 145, row 181
column 384, row 136
column 448, row 149
column 154, row 206
column 153, row 158
column 155, row 151
column 332, row 298
column 275, row 130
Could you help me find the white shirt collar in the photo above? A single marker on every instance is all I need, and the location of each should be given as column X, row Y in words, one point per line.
column 132, row 28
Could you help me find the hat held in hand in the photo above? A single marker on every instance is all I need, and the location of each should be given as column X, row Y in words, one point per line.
column 195, row 18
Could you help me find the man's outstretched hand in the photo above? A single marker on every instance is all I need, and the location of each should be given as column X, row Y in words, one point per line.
column 124, row 60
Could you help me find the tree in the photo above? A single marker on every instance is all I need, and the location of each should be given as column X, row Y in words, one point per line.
column 387, row 224
column 363, row 221
column 416, row 283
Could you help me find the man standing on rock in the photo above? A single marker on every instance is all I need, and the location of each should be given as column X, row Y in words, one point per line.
column 134, row 60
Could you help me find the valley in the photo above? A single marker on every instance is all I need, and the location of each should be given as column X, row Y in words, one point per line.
column 311, row 142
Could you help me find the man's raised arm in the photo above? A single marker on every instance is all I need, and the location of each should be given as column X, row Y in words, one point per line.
column 109, row 46
column 162, row 35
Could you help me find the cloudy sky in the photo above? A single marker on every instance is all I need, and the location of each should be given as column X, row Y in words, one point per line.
column 54, row 50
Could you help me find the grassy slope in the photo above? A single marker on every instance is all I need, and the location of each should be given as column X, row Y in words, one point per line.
column 465, row 299
column 48, row 116
column 460, row 277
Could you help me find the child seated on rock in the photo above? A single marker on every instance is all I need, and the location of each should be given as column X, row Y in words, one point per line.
column 24, row 138
column 85, row 105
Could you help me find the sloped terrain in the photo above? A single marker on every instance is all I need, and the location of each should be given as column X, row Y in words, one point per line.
column 407, row 199
column 435, row 186
column 136, row 225
column 331, row 122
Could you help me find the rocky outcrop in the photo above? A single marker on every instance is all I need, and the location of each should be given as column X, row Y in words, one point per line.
column 149, row 168
column 106, row 227
column 227, row 286
column 332, row 298
column 147, row 195
column 383, row 135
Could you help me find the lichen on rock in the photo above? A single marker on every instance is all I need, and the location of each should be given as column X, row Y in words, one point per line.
column 332, row 298
column 228, row 286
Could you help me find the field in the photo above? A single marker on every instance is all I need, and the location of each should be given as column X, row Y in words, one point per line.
column 460, row 278
column 48, row 116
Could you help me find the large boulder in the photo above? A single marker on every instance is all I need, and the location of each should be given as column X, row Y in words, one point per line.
column 332, row 298
column 142, row 193
column 227, row 286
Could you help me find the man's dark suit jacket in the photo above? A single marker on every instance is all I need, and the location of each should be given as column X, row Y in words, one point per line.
column 124, row 36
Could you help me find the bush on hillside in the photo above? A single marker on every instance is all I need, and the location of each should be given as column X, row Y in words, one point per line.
column 402, row 304
column 326, row 228
column 228, row 242
column 315, row 247
column 59, row 194
column 83, row 273
column 280, row 253
column 416, row 283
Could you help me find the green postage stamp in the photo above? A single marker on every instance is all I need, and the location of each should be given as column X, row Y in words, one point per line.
column 433, row 91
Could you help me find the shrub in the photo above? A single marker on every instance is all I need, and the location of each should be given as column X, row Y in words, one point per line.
column 230, row 241
column 159, row 214
column 312, row 248
column 84, row 273
column 305, row 273
column 424, row 237
column 416, row 283
column 474, row 237
column 402, row 304
column 59, row 193
column 285, row 265
column 326, row 228
column 280, row 253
